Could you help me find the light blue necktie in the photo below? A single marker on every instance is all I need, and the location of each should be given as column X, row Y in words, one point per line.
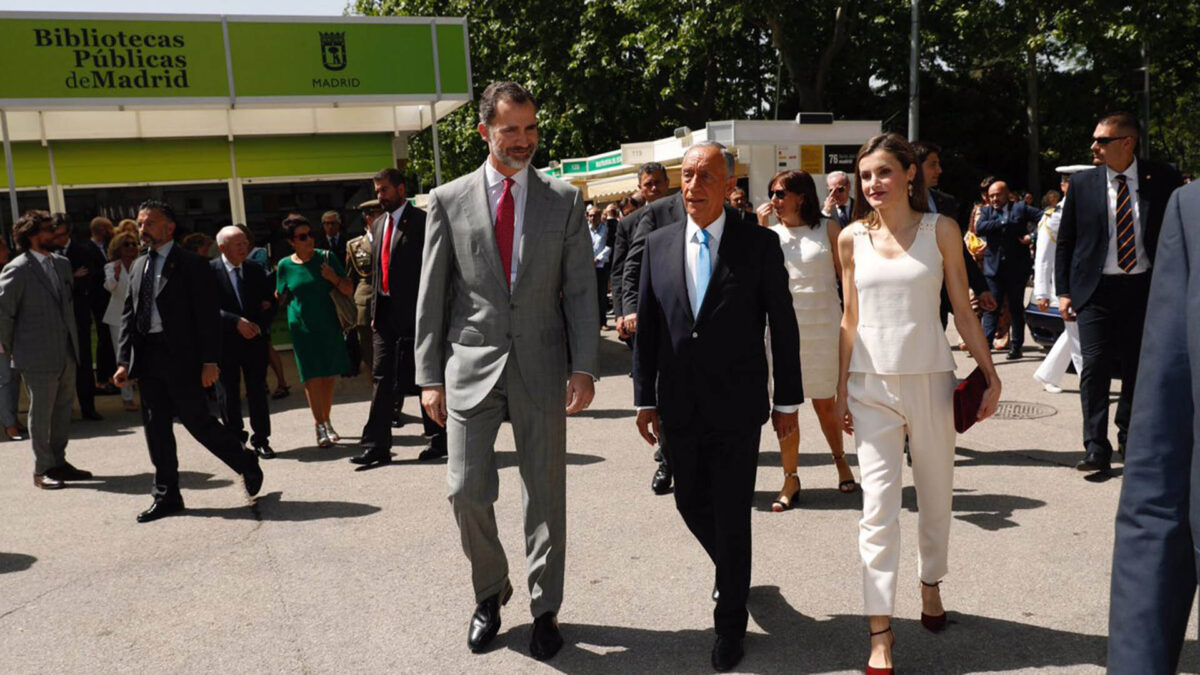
column 703, row 270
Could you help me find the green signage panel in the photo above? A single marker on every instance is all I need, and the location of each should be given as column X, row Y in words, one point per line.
column 605, row 161
column 452, row 59
column 141, row 161
column 331, row 59
column 106, row 59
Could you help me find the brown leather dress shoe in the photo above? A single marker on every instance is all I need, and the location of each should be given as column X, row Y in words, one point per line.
column 47, row 482
column 14, row 433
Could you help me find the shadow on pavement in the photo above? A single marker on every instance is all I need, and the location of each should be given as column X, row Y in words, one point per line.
column 609, row 414
column 797, row 643
column 1030, row 457
column 807, row 459
column 988, row 511
column 15, row 562
column 271, row 507
column 143, row 483
column 505, row 460
column 614, row 359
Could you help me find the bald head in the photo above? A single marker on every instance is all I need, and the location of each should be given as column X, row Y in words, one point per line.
column 997, row 194
column 233, row 244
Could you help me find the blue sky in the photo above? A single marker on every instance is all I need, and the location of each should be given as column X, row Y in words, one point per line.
column 284, row 7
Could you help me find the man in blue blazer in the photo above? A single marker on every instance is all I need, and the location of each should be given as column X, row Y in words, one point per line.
column 1102, row 272
column 1154, row 559
column 710, row 285
column 1006, row 226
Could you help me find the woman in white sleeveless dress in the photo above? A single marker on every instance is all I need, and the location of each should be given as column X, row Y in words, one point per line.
column 809, row 243
column 897, row 375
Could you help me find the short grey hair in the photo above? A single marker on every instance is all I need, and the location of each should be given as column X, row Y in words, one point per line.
column 228, row 232
column 829, row 178
column 725, row 154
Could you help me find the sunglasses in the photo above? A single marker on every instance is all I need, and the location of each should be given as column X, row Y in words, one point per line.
column 777, row 194
column 303, row 236
column 1105, row 140
column 129, row 244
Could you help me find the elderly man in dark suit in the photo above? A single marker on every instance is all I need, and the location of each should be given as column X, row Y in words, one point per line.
column 710, row 286
column 1106, row 246
column 37, row 331
column 247, row 302
column 1006, row 226
column 87, row 269
column 1155, row 559
column 171, row 343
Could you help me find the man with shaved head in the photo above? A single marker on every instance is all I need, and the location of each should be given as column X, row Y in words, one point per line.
column 1006, row 226
column 247, row 304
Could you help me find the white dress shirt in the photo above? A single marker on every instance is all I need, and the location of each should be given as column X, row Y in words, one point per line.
column 600, row 250
column 520, row 190
column 1110, row 260
column 160, row 260
column 393, row 217
column 233, row 281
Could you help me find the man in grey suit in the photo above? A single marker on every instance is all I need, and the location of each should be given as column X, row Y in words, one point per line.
column 37, row 329
column 507, row 294
column 1154, row 558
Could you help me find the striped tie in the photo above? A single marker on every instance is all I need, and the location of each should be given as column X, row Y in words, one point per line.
column 1126, row 250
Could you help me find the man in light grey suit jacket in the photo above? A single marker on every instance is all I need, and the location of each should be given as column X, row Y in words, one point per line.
column 1155, row 557
column 507, row 294
column 37, row 328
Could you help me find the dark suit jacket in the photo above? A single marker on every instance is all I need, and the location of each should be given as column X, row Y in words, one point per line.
column 404, row 274
column 837, row 214
column 654, row 216
column 1083, row 232
column 621, row 241
column 339, row 249
column 256, row 291
column 1002, row 230
column 83, row 253
column 187, row 303
column 1155, row 557
column 711, row 370
column 947, row 205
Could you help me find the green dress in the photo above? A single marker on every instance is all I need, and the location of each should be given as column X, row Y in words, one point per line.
column 312, row 319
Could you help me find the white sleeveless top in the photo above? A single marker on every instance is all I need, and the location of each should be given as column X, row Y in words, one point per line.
column 899, row 329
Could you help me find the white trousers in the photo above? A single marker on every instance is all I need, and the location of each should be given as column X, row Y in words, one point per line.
column 1065, row 350
column 885, row 408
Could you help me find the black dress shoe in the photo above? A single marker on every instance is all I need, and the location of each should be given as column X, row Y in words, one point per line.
column 397, row 421
column 161, row 508
column 372, row 456
column 1092, row 461
column 68, row 472
column 92, row 415
column 1012, row 355
column 253, row 478
column 661, row 483
column 47, row 482
column 546, row 639
column 264, row 451
column 433, row 451
column 485, row 622
column 726, row 653
column 1121, row 450
column 716, row 594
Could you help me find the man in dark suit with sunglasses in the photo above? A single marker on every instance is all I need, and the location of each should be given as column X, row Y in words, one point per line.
column 1106, row 248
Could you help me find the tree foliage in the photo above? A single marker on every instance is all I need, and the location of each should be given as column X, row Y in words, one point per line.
column 613, row 71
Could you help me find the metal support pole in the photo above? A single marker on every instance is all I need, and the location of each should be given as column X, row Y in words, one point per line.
column 437, row 149
column 12, row 180
column 1145, row 140
column 914, row 81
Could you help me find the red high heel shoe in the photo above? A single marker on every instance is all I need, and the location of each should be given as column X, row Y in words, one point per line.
column 933, row 623
column 872, row 670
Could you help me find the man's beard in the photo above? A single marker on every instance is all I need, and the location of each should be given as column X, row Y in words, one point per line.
column 507, row 159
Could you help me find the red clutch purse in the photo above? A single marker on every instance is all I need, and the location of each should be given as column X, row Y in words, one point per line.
column 968, row 396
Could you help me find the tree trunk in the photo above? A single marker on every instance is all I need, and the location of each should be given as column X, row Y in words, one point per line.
column 810, row 87
column 1031, row 108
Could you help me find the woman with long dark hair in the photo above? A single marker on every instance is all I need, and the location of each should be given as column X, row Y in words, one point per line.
column 897, row 374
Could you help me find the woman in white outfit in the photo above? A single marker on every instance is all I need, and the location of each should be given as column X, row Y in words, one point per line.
column 897, row 374
column 1066, row 349
column 809, row 243
column 122, row 251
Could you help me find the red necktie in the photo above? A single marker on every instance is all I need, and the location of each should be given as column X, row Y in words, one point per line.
column 385, row 255
column 505, row 215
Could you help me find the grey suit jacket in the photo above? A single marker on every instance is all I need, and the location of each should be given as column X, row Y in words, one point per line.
column 1158, row 518
column 468, row 323
column 37, row 326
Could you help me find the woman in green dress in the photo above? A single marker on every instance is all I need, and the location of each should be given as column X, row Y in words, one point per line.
column 305, row 280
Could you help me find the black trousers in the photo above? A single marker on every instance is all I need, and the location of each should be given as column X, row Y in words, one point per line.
column 166, row 394
column 602, row 291
column 1009, row 285
column 85, row 377
column 393, row 370
column 714, row 492
column 247, row 361
column 1110, row 330
column 106, row 361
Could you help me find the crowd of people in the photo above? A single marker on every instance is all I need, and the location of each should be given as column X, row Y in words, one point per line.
column 490, row 306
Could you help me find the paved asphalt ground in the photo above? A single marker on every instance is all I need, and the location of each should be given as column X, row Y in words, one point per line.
column 335, row 570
